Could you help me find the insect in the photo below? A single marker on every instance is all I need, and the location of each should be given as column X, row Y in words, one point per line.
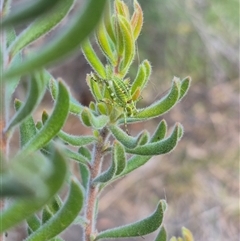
column 119, row 91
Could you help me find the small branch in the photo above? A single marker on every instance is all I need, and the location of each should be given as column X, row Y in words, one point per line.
column 93, row 189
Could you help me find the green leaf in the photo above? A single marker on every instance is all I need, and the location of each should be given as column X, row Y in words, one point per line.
column 11, row 85
column 161, row 106
column 81, row 27
column 84, row 171
column 12, row 187
column 142, row 77
column 108, row 174
column 140, row 228
column 97, row 122
column 35, row 94
column 123, row 137
column 129, row 44
column 160, row 132
column 41, row 26
column 46, row 214
column 75, row 140
column 104, row 43
column 119, row 157
column 23, row 208
column 76, row 156
column 162, row 235
column 137, row 20
column 185, row 85
column 85, row 152
column 75, row 107
column 52, row 125
column 136, row 161
column 95, row 87
column 93, row 59
column 33, row 223
column 160, row 147
column 22, row 13
column 65, row 216
column 107, row 18
column 144, row 138
column 122, row 9
column 27, row 127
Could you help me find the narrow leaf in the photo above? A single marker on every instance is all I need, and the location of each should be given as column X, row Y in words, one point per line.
column 76, row 156
column 123, row 137
column 27, row 127
column 160, row 132
column 119, row 157
column 93, row 59
column 162, row 235
column 41, row 26
column 13, row 187
column 81, row 27
column 75, row 140
column 65, row 216
column 22, row 13
column 95, row 87
column 140, row 78
column 84, row 171
column 144, row 138
column 107, row 18
column 11, row 85
column 46, row 214
column 97, row 122
column 137, row 19
column 161, row 106
column 140, row 228
column 122, row 8
column 33, row 223
column 110, row 172
column 105, row 44
column 53, row 124
column 35, row 94
column 129, row 45
column 75, row 107
column 160, row 147
column 21, row 209
column 185, row 85
column 135, row 162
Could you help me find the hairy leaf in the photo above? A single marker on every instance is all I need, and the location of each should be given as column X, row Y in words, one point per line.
column 160, row 147
column 65, row 216
column 75, row 140
column 93, row 59
column 23, row 208
column 162, row 235
column 27, row 127
column 137, row 19
column 79, row 29
column 35, row 94
column 22, row 13
column 52, row 125
column 161, row 106
column 40, row 26
column 97, row 122
column 76, row 156
column 75, row 107
column 140, row 228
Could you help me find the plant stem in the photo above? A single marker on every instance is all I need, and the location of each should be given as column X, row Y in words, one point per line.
column 93, row 189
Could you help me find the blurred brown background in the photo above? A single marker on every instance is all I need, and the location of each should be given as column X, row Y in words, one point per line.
column 200, row 177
